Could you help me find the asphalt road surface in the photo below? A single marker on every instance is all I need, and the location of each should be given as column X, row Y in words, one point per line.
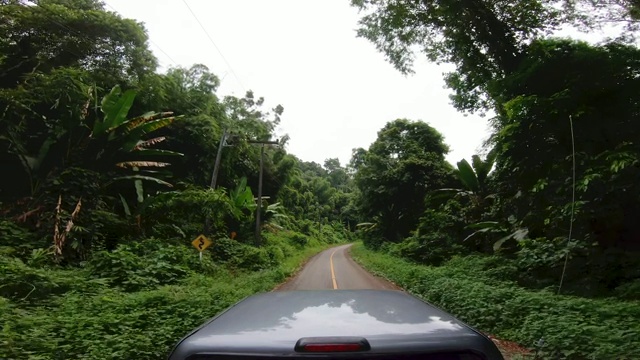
column 334, row 269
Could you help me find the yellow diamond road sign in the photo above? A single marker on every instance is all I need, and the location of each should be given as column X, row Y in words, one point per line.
column 201, row 243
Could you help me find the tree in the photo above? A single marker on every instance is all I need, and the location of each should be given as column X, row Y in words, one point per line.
column 484, row 39
column 337, row 174
column 596, row 14
column 473, row 179
column 592, row 88
column 54, row 56
column 190, row 92
column 79, row 34
column 114, row 147
column 404, row 164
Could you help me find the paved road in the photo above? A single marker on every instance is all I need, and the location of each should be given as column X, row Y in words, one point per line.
column 334, row 269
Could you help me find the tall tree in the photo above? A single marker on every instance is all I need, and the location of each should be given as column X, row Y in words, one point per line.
column 337, row 174
column 563, row 83
column 79, row 33
column 484, row 39
column 404, row 163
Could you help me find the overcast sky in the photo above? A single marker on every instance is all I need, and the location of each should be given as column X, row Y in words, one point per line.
column 336, row 89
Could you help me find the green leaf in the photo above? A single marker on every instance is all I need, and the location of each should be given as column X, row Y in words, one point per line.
column 139, row 164
column 498, row 244
column 476, row 233
column 139, row 190
column 482, row 168
column 127, row 211
column 467, row 175
column 517, row 235
column 142, row 177
column 44, row 150
column 484, row 225
column 28, row 162
column 115, row 107
column 448, row 190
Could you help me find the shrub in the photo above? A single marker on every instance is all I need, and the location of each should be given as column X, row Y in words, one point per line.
column 111, row 324
column 16, row 237
column 131, row 272
column 299, row 240
column 252, row 258
column 280, row 241
column 490, row 268
column 32, row 286
column 572, row 327
column 240, row 256
column 630, row 290
column 115, row 325
column 276, row 255
column 433, row 248
column 187, row 210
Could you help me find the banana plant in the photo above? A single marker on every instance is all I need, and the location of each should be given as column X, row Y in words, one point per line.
column 496, row 228
column 275, row 212
column 123, row 140
column 242, row 199
column 473, row 178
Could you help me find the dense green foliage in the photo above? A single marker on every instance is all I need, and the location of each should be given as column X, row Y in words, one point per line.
column 480, row 291
column 109, row 165
column 554, row 100
column 135, row 302
column 565, row 111
column 398, row 170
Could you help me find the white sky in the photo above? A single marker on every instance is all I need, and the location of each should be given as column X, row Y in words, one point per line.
column 336, row 89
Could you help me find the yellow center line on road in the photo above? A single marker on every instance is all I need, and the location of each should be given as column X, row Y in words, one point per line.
column 333, row 273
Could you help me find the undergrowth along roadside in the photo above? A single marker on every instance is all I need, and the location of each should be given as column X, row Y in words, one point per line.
column 571, row 327
column 91, row 319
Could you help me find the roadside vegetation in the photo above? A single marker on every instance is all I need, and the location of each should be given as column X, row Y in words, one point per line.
column 106, row 167
column 135, row 302
column 535, row 238
column 481, row 291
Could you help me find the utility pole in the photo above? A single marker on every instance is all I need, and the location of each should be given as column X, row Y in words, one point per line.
column 259, row 208
column 216, row 167
column 214, row 176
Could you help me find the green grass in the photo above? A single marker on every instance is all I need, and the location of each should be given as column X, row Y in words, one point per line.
column 470, row 289
column 113, row 322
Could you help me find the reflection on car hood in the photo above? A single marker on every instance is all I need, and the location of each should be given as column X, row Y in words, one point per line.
column 273, row 322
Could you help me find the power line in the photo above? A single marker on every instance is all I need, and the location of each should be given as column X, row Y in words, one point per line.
column 214, row 45
column 151, row 41
column 191, row 102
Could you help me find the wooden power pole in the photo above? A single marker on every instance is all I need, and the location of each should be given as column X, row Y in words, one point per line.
column 259, row 208
column 214, row 176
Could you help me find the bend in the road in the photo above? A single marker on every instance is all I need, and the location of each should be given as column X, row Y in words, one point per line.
column 334, row 269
